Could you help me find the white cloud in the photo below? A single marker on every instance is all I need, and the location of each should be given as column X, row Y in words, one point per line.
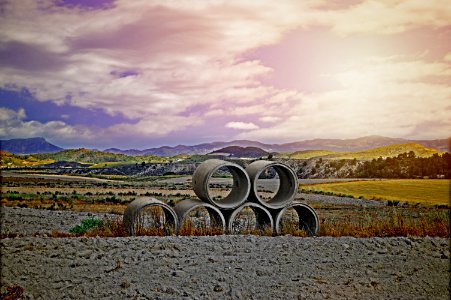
column 385, row 97
column 388, row 17
column 189, row 54
column 242, row 125
column 12, row 125
column 270, row 119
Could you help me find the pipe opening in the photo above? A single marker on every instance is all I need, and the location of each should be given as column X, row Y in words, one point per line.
column 154, row 220
column 201, row 221
column 251, row 218
column 149, row 216
column 220, row 185
column 297, row 219
column 267, row 184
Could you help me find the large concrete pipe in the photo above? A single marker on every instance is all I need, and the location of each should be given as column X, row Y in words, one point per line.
column 240, row 189
column 308, row 219
column 132, row 221
column 287, row 188
column 184, row 207
column 263, row 217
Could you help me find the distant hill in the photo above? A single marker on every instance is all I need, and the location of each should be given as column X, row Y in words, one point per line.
column 335, row 145
column 237, row 151
column 9, row 160
column 440, row 145
column 28, row 146
column 344, row 145
column 307, row 154
column 40, row 145
column 195, row 149
column 387, row 151
column 85, row 155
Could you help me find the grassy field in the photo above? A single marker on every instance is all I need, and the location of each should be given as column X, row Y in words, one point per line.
column 424, row 191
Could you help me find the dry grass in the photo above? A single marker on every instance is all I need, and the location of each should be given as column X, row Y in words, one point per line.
column 189, row 229
column 391, row 224
column 111, row 227
column 292, row 228
column 265, row 231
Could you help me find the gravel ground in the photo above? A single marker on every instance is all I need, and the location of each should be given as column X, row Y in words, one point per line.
column 27, row 221
column 222, row 267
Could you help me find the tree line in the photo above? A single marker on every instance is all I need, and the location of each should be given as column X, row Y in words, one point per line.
column 405, row 165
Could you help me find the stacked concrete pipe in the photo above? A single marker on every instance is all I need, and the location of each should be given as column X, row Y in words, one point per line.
column 244, row 194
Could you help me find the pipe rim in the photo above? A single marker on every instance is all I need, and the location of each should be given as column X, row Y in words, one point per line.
column 283, row 196
column 213, row 212
column 136, row 206
column 240, row 187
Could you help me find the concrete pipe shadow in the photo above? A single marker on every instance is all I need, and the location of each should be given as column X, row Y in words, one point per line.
column 184, row 207
column 308, row 219
column 263, row 218
column 288, row 185
column 240, row 188
column 132, row 216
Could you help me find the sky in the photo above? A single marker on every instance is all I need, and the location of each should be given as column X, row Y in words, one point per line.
column 146, row 73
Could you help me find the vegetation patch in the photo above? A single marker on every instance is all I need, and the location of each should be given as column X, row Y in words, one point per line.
column 424, row 191
column 389, row 223
column 85, row 225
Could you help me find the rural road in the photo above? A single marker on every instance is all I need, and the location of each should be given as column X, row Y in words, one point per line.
column 221, row 267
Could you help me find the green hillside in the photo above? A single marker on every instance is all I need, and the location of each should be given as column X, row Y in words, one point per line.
column 306, row 154
column 85, row 155
column 8, row 160
column 387, row 151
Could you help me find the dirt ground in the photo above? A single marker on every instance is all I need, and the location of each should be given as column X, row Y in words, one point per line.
column 221, row 267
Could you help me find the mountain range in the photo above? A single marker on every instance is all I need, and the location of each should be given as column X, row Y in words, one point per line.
column 28, row 146
column 336, row 145
column 40, row 145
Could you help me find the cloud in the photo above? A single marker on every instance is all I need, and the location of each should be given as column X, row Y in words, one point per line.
column 173, row 64
column 388, row 17
column 241, row 125
column 270, row 119
column 12, row 124
column 385, row 96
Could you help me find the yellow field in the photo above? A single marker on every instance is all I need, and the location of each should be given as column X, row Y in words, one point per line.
column 425, row 191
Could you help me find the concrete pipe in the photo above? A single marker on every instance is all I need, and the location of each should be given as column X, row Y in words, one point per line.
column 184, row 207
column 308, row 219
column 240, row 188
column 132, row 221
column 288, row 185
column 263, row 217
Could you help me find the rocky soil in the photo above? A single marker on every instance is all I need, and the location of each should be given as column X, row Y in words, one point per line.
column 221, row 267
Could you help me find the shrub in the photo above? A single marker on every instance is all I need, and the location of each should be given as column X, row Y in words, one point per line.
column 85, row 225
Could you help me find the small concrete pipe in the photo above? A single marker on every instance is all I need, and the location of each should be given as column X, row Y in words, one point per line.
column 240, row 189
column 183, row 208
column 263, row 217
column 288, row 184
column 132, row 212
column 308, row 219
